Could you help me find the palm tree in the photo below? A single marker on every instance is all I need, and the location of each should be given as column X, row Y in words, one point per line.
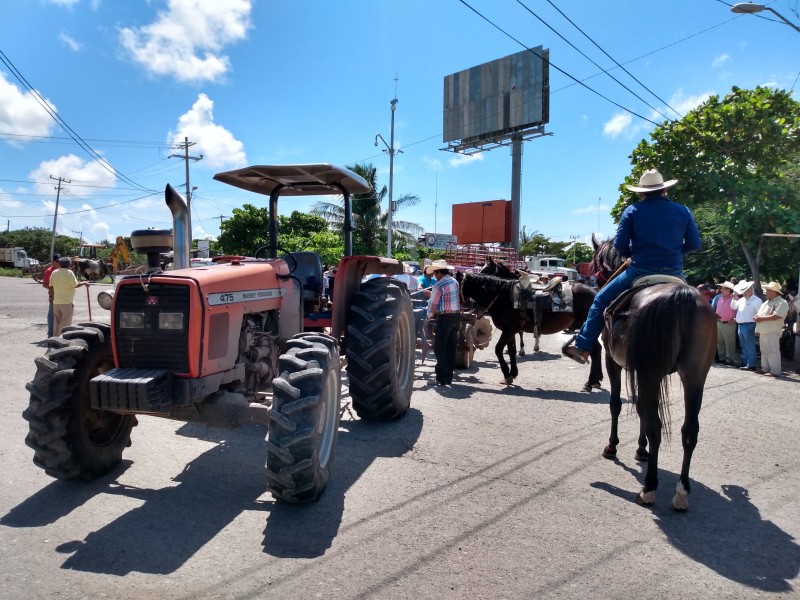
column 369, row 219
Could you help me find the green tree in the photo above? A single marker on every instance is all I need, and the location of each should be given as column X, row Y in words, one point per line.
column 539, row 244
column 369, row 220
column 36, row 242
column 737, row 158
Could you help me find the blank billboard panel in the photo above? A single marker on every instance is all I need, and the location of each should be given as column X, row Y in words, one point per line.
column 499, row 97
column 482, row 222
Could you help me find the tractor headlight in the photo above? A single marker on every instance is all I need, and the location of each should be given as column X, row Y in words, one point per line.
column 105, row 299
column 131, row 320
column 170, row 321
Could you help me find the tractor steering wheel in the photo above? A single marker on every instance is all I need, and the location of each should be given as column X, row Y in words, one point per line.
column 286, row 255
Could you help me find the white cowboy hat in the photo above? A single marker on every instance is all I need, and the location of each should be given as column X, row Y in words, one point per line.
column 651, row 181
column 741, row 287
column 438, row 265
column 773, row 286
column 726, row 284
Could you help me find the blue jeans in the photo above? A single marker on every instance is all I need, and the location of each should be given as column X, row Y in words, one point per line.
column 593, row 327
column 747, row 340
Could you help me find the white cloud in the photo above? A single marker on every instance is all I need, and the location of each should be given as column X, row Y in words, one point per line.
column 21, row 113
column 81, row 173
column 720, row 60
column 683, row 104
column 67, row 3
column 433, row 163
column 69, row 42
column 186, row 40
column 464, row 159
column 217, row 145
column 618, row 125
column 594, row 208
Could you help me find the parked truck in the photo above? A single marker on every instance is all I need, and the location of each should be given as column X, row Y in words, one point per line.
column 550, row 266
column 16, row 258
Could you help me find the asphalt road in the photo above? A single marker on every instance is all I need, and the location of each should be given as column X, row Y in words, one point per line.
column 481, row 491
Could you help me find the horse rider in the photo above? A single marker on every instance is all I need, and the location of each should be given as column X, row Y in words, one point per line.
column 654, row 234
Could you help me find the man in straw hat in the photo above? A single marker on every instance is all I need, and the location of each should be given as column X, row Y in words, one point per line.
column 769, row 326
column 654, row 233
column 445, row 305
column 746, row 304
column 726, row 324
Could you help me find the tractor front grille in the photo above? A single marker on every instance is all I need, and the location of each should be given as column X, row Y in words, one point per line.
column 150, row 346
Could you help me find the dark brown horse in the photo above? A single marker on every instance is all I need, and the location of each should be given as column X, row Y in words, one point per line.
column 494, row 295
column 667, row 328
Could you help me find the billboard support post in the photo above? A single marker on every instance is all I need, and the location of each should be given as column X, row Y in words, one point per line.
column 516, row 180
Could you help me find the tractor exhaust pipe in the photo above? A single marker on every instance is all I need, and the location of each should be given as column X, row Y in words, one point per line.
column 181, row 240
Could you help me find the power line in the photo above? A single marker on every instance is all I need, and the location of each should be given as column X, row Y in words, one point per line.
column 556, row 67
column 77, row 138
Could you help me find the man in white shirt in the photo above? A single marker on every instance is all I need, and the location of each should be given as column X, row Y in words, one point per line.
column 746, row 304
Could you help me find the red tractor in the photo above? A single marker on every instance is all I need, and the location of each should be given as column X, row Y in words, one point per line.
column 229, row 344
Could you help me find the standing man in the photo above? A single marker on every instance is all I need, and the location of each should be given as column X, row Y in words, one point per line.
column 426, row 280
column 726, row 324
column 63, row 284
column 746, row 304
column 654, row 233
column 769, row 326
column 46, row 284
column 445, row 305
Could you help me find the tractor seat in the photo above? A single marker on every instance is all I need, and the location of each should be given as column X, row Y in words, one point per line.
column 309, row 272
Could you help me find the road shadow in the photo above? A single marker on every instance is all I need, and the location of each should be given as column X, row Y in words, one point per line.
column 173, row 523
column 307, row 531
column 724, row 532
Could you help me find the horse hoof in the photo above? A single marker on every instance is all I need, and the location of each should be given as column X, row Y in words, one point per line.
column 508, row 380
column 596, row 386
column 641, row 455
column 680, row 501
column 610, row 452
column 645, row 498
column 521, row 353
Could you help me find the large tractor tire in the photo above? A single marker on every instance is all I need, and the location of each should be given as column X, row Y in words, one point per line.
column 380, row 350
column 466, row 347
column 69, row 438
column 304, row 420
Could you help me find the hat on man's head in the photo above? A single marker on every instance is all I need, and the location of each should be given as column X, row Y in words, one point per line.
column 773, row 286
column 438, row 265
column 651, row 181
column 726, row 284
column 56, row 256
column 741, row 287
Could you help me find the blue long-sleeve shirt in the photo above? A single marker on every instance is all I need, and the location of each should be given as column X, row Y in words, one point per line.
column 656, row 232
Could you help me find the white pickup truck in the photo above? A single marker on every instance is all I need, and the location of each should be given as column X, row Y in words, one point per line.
column 550, row 266
column 16, row 257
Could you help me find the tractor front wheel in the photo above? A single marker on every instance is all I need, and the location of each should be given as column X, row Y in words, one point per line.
column 70, row 439
column 304, row 420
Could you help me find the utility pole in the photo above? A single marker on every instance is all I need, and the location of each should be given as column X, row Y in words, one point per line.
column 185, row 156
column 574, row 239
column 55, row 215
column 221, row 218
column 391, row 150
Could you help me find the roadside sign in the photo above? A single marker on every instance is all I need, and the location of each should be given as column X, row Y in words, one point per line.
column 438, row 241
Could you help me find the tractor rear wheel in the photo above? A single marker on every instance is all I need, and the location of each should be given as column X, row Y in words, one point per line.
column 70, row 439
column 380, row 350
column 304, row 420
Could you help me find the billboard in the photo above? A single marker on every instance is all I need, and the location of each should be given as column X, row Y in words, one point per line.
column 498, row 98
column 482, row 222
column 438, row 241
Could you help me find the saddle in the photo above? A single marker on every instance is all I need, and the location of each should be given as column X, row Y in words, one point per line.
column 621, row 303
column 531, row 298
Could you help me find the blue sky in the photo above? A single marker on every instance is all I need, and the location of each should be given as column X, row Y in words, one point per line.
column 268, row 82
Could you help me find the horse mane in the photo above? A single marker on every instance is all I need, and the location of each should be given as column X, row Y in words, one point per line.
column 605, row 261
column 485, row 288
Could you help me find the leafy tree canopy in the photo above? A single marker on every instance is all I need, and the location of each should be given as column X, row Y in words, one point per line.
column 736, row 159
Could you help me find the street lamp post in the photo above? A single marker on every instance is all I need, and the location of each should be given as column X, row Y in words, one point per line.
column 748, row 8
column 389, row 148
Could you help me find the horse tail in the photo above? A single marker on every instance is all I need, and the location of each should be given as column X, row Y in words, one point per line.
column 658, row 334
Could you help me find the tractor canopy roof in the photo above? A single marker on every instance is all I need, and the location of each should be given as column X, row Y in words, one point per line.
column 295, row 180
